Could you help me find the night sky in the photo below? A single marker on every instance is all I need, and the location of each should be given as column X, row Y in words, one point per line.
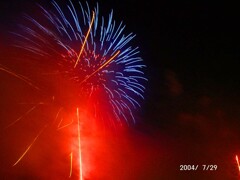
column 191, row 113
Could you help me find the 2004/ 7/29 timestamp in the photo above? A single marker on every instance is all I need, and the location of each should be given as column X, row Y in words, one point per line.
column 203, row 167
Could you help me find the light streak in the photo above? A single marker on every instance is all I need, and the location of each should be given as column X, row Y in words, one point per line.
column 238, row 163
column 85, row 40
column 64, row 126
column 21, row 117
column 27, row 103
column 23, row 78
column 102, row 66
column 57, row 114
column 60, row 122
column 71, row 157
column 79, row 148
column 29, row 147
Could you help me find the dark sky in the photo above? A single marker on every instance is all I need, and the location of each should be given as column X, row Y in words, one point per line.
column 191, row 112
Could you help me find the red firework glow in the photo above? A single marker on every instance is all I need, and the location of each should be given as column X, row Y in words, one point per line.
column 70, row 137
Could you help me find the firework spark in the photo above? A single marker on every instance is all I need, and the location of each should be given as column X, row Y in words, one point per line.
column 85, row 40
column 238, row 163
column 18, row 76
column 21, row 117
column 29, row 147
column 71, row 158
column 79, row 147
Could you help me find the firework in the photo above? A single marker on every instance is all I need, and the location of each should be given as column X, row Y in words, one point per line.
column 92, row 52
column 93, row 55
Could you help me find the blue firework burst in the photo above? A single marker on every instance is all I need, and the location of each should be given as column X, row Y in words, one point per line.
column 93, row 51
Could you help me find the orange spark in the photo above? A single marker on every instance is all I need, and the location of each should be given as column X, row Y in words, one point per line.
column 79, row 148
column 61, row 127
column 23, row 78
column 57, row 114
column 24, row 115
column 238, row 163
column 85, row 40
column 25, row 152
column 102, row 66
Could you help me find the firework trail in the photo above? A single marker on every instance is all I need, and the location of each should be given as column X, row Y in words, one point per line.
column 91, row 52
